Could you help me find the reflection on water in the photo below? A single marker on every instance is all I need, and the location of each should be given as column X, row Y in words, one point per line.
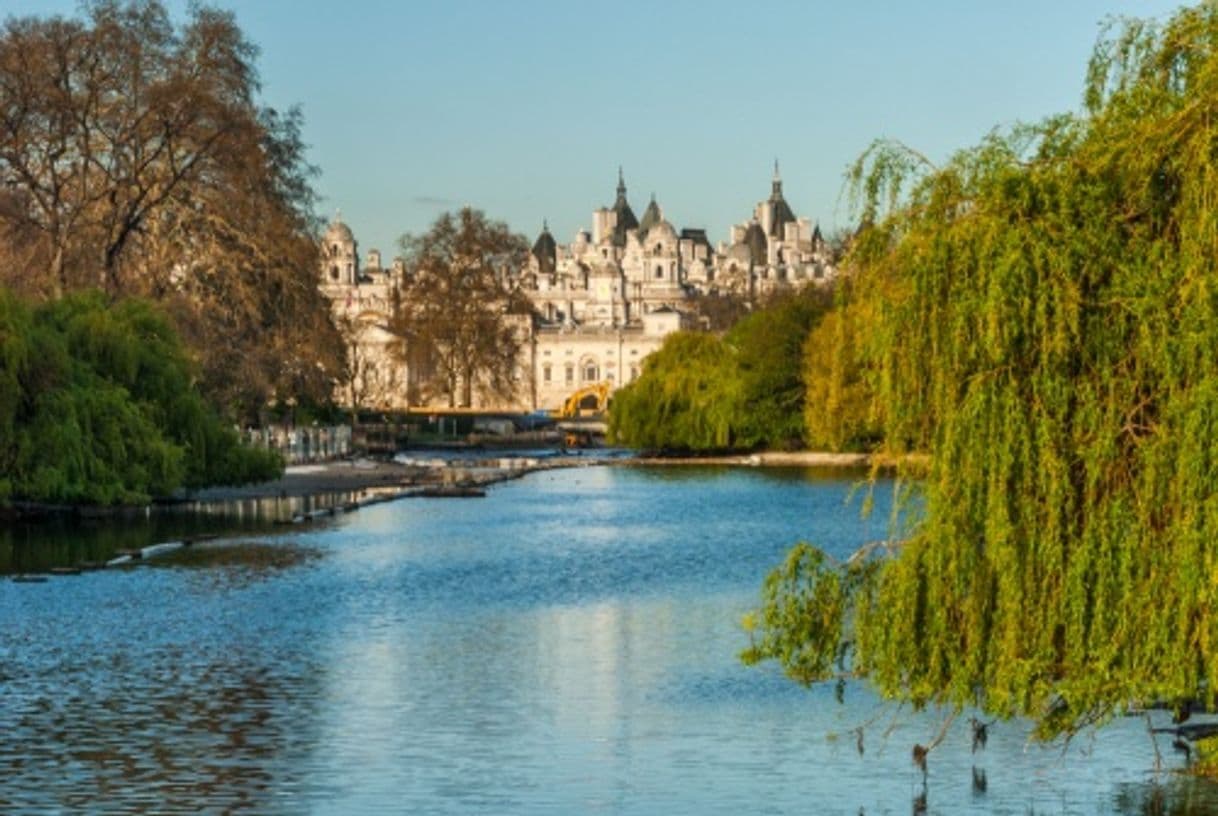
column 65, row 542
column 566, row 645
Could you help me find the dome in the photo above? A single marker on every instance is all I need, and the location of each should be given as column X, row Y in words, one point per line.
column 338, row 231
column 663, row 231
column 545, row 250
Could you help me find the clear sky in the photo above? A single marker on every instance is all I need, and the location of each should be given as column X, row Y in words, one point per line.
column 526, row 109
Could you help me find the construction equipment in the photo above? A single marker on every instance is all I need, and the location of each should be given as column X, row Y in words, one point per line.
column 592, row 399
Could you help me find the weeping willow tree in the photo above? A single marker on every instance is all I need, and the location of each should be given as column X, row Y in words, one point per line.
column 686, row 399
column 1049, row 335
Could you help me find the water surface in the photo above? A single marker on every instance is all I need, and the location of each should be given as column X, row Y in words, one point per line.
column 567, row 645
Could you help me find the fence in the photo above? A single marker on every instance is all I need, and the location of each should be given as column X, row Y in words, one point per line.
column 303, row 444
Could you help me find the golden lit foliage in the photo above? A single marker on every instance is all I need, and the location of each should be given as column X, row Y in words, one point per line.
column 1055, row 349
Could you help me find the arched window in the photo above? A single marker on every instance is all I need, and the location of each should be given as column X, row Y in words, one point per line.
column 334, row 273
column 659, row 271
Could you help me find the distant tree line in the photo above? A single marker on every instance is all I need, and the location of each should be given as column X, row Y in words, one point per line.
column 737, row 390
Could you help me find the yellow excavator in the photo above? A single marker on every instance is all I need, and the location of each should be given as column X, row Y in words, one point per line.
column 578, row 402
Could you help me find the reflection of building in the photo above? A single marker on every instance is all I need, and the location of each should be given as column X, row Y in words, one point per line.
column 601, row 303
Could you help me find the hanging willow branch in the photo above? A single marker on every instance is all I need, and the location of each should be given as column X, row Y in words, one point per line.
column 1048, row 332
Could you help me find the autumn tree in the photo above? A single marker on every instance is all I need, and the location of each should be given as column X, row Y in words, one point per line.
column 134, row 157
column 461, row 308
column 1051, row 340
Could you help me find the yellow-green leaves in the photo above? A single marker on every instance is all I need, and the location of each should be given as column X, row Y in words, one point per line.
column 1043, row 321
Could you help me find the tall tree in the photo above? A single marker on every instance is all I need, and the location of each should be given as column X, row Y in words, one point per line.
column 1053, row 343
column 133, row 157
column 462, row 309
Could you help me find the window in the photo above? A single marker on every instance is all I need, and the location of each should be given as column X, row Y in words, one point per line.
column 590, row 373
column 545, row 372
column 570, row 374
column 634, row 373
column 659, row 271
column 334, row 273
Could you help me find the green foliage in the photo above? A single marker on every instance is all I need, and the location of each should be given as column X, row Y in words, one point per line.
column 769, row 362
column 97, row 405
column 699, row 392
column 685, row 399
column 840, row 411
column 1050, row 336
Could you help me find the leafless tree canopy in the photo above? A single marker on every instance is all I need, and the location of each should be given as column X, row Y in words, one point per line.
column 461, row 307
column 134, row 158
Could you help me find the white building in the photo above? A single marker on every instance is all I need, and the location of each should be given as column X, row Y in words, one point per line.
column 601, row 303
column 362, row 301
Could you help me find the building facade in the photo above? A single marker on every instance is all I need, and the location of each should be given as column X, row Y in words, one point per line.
column 362, row 301
column 600, row 303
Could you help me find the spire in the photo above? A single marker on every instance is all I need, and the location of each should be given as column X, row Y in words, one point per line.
column 625, row 216
column 780, row 210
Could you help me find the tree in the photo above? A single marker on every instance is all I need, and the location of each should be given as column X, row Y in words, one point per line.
column 686, row 398
column 743, row 390
column 840, row 410
column 98, row 407
column 133, row 157
column 461, row 307
column 1052, row 342
column 769, row 360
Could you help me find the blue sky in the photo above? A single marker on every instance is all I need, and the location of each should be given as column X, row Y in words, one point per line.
column 526, row 109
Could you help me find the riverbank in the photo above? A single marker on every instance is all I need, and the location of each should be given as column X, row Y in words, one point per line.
column 345, row 476
column 351, row 476
column 765, row 459
column 389, row 478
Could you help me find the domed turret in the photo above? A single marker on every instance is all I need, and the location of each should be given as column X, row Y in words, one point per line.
column 545, row 250
column 340, row 232
column 339, row 256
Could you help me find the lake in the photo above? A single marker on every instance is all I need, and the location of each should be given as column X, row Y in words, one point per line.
column 567, row 645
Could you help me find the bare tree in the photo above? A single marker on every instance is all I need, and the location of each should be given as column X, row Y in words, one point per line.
column 133, row 157
column 461, row 306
